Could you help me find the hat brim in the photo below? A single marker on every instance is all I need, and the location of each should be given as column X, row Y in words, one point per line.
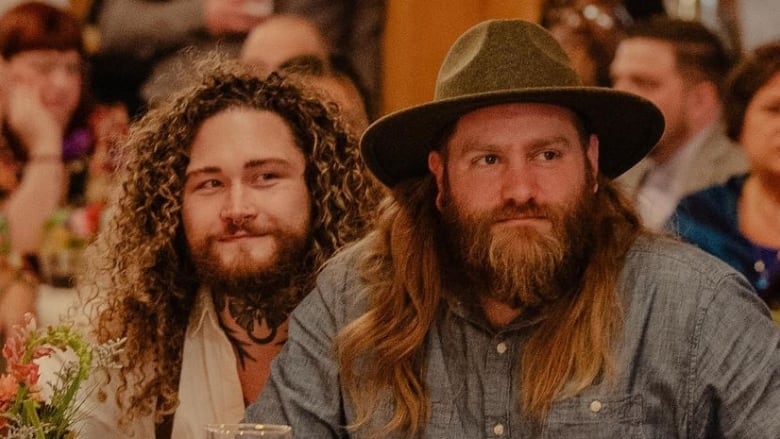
column 396, row 146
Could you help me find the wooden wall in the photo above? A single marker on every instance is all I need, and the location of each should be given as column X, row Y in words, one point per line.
column 419, row 33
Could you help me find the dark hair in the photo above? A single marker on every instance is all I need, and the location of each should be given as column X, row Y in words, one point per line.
column 700, row 54
column 749, row 76
column 35, row 25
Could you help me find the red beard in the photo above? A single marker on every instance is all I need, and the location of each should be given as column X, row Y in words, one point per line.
column 521, row 266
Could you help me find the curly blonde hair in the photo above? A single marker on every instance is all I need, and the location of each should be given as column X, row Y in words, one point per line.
column 146, row 281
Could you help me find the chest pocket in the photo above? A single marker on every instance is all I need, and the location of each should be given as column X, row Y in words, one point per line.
column 596, row 417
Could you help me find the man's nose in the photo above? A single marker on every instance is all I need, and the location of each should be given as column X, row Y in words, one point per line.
column 238, row 207
column 519, row 184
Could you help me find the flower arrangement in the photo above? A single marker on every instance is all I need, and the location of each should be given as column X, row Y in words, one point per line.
column 30, row 410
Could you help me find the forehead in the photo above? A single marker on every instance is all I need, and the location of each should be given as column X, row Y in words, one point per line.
column 648, row 54
column 770, row 90
column 237, row 135
column 515, row 123
column 277, row 41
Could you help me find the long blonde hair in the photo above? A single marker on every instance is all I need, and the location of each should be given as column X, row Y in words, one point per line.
column 381, row 354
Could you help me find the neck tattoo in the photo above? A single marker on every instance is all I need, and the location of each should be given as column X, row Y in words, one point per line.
column 251, row 319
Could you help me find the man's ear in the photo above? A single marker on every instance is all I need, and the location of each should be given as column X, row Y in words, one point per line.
column 436, row 166
column 592, row 155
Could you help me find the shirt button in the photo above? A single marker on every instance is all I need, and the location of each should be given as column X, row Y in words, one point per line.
column 498, row 429
column 595, row 406
column 501, row 348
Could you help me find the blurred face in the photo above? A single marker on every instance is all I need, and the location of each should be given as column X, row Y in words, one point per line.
column 246, row 205
column 57, row 75
column 760, row 136
column 280, row 39
column 648, row 68
column 513, row 189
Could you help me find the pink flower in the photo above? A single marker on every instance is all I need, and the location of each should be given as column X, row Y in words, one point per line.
column 26, row 373
column 8, row 389
column 13, row 350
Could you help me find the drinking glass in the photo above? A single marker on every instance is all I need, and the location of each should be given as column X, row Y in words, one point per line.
column 234, row 431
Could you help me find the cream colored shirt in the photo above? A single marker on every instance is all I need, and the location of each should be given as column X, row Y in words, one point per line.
column 209, row 389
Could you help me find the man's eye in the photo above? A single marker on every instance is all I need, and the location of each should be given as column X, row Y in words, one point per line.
column 549, row 155
column 267, row 176
column 488, row 159
column 209, row 184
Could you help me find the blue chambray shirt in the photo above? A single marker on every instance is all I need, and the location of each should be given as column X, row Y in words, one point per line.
column 699, row 358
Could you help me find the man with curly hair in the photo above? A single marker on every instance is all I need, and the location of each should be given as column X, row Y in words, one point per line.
column 233, row 195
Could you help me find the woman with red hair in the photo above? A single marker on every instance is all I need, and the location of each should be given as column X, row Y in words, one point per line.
column 45, row 139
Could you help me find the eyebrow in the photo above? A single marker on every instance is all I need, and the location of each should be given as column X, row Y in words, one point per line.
column 473, row 145
column 252, row 164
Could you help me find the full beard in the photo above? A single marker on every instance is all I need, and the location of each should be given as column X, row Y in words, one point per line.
column 521, row 267
column 255, row 293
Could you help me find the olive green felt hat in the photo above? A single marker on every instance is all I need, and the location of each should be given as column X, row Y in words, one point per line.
column 505, row 61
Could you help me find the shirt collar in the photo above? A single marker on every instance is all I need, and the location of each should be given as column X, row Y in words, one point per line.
column 203, row 312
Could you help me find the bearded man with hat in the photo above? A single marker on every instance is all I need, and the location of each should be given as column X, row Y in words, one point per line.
column 509, row 289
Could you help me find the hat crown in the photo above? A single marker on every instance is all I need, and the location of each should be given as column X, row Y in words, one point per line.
column 500, row 55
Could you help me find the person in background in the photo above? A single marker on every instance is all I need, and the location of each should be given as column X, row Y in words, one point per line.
column 293, row 45
column 56, row 147
column 142, row 39
column 679, row 66
column 334, row 82
column 281, row 38
column 17, row 290
column 509, row 289
column 354, row 30
column 46, row 141
column 233, row 195
column 739, row 221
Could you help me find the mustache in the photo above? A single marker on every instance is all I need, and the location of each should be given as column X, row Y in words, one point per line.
column 246, row 227
column 512, row 209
